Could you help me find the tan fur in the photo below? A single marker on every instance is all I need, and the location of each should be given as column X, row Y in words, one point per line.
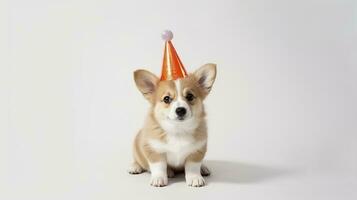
column 154, row 90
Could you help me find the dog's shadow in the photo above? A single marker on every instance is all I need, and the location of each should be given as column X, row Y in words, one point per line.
column 237, row 172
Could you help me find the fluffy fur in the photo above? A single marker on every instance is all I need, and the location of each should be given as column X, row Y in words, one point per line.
column 170, row 143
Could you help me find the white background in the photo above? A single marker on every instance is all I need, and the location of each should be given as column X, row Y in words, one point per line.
column 282, row 114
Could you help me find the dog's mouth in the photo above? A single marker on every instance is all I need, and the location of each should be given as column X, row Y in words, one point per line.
column 181, row 118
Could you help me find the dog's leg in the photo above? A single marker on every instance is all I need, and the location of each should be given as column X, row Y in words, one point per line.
column 135, row 168
column 158, row 173
column 205, row 171
column 158, row 168
column 193, row 169
column 193, row 174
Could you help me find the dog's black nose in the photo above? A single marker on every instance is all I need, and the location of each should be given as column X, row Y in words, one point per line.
column 181, row 111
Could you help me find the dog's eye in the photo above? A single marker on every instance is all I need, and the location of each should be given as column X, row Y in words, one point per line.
column 190, row 97
column 167, row 99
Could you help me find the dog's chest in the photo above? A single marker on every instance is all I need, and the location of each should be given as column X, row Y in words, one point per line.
column 177, row 148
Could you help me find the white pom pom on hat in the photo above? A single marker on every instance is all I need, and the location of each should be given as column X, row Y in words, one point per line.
column 167, row 35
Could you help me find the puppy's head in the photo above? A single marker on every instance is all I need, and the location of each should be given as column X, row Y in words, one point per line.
column 177, row 103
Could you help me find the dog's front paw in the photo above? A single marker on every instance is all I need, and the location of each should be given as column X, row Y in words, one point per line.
column 158, row 181
column 195, row 180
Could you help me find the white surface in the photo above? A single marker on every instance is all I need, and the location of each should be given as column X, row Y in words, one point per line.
column 282, row 115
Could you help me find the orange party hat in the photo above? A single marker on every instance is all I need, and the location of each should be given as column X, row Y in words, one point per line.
column 172, row 67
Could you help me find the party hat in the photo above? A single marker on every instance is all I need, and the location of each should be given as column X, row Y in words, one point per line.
column 172, row 67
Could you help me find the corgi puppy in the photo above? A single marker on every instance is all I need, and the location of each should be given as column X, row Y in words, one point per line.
column 174, row 136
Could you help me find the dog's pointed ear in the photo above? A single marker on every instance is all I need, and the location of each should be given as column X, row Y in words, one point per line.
column 146, row 83
column 205, row 77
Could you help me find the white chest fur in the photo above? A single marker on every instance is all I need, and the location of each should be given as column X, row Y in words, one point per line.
column 177, row 148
